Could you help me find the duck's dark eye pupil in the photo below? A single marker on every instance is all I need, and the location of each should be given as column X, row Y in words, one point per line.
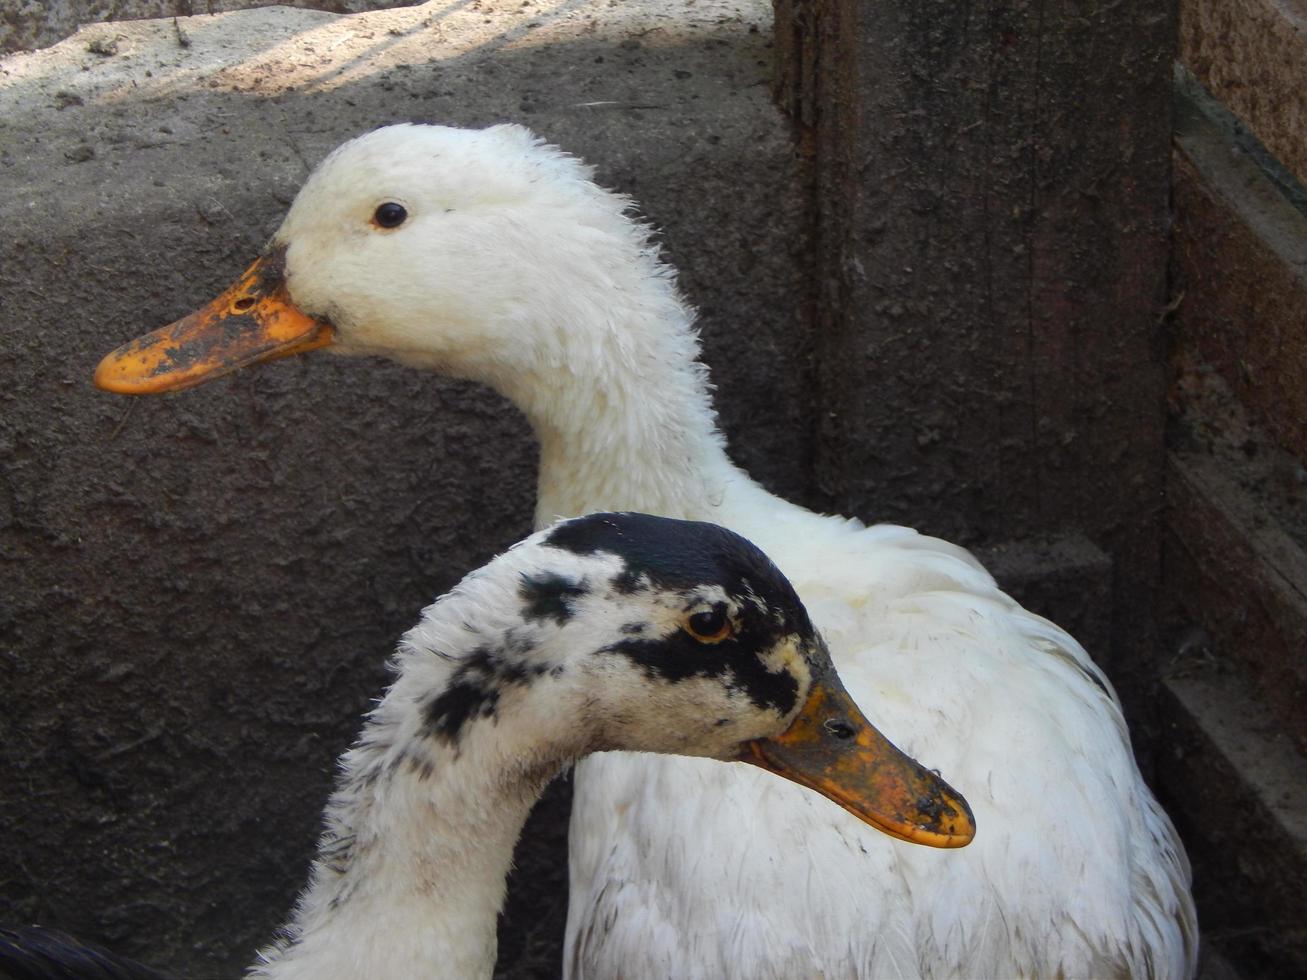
column 710, row 622
column 390, row 215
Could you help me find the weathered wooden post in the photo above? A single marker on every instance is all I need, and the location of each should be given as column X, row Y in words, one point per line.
column 991, row 187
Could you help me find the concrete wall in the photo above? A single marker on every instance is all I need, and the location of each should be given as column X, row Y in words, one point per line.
column 199, row 591
column 27, row 24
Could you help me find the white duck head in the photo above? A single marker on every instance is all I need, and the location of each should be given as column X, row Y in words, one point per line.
column 479, row 252
column 489, row 255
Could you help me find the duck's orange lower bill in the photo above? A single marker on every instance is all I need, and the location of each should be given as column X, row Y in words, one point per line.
column 253, row 320
column 832, row 749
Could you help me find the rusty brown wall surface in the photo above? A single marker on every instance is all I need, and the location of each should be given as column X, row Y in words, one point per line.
column 1240, row 575
column 199, row 590
column 1230, row 768
column 992, row 186
column 1240, row 267
column 1252, row 55
column 1235, row 550
column 1243, row 308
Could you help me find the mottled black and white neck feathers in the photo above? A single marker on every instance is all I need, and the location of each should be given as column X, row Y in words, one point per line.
column 612, row 631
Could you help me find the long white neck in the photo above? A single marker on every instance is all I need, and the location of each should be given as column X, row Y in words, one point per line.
column 410, row 872
column 624, row 416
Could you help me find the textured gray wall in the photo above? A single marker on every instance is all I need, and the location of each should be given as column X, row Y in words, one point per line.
column 26, row 24
column 199, row 590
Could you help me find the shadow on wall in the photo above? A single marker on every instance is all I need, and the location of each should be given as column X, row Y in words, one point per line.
column 201, row 589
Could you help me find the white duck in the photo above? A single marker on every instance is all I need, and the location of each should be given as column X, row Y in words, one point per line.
column 489, row 255
column 612, row 631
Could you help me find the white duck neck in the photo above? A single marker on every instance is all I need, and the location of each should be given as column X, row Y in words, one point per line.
column 410, row 872
column 624, row 413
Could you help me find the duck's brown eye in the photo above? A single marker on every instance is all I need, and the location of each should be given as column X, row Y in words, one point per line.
column 389, row 215
column 711, row 625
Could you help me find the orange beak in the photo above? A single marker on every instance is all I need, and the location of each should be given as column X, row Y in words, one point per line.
column 253, row 320
column 833, row 749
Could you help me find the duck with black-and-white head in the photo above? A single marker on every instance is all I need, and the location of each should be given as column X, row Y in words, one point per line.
column 612, row 631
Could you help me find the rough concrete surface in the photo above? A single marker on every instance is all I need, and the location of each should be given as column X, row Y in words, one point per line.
column 37, row 23
column 199, row 590
column 992, row 203
column 1066, row 578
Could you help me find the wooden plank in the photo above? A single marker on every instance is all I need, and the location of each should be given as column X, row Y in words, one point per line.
column 1239, row 575
column 1240, row 260
column 992, row 185
column 1252, row 55
column 1237, row 792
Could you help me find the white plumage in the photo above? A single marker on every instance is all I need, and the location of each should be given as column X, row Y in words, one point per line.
column 514, row 269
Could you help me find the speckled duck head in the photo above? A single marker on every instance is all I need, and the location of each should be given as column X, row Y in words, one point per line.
column 626, row 631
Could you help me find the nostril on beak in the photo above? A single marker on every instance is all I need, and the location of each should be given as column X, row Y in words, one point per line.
column 838, row 727
column 243, row 305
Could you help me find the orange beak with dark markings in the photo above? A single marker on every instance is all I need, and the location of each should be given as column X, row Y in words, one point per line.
column 831, row 748
column 253, row 320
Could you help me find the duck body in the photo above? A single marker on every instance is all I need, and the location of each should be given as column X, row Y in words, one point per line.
column 1075, row 871
column 512, row 268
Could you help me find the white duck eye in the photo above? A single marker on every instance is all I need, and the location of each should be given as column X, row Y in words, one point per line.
column 710, row 625
column 389, row 215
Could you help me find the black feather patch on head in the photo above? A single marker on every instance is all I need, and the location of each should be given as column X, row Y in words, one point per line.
column 672, row 554
column 684, row 556
column 549, row 596
column 679, row 658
